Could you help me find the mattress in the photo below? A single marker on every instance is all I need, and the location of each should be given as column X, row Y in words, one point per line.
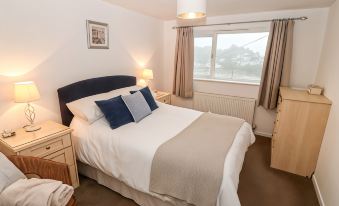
column 126, row 153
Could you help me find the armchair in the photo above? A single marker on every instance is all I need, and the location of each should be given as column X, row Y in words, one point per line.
column 44, row 169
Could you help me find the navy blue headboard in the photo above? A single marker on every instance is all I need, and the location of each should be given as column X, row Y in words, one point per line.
column 87, row 88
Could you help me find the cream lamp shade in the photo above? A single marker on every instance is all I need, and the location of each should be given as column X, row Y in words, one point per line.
column 147, row 74
column 25, row 92
column 191, row 9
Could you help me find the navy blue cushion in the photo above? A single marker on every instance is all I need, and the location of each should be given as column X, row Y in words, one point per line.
column 115, row 111
column 146, row 92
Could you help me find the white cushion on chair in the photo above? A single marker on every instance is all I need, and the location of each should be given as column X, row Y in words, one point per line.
column 9, row 173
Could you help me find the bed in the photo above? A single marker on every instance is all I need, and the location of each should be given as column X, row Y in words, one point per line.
column 121, row 159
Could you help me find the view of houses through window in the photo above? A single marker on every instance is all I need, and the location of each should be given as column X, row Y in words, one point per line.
column 235, row 57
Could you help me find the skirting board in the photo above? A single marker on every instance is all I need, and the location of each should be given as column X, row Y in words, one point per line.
column 263, row 134
column 317, row 191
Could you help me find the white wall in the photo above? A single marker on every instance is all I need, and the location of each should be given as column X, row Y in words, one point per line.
column 46, row 41
column 308, row 40
column 328, row 76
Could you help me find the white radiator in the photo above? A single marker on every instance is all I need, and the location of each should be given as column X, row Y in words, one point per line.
column 227, row 105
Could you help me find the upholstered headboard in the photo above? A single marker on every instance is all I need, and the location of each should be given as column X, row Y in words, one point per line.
column 87, row 88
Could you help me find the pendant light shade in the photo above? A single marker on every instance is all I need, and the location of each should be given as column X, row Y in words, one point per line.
column 191, row 9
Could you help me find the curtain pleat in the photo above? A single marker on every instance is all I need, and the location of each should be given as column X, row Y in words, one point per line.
column 277, row 63
column 184, row 63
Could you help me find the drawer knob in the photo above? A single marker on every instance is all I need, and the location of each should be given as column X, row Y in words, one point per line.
column 48, row 147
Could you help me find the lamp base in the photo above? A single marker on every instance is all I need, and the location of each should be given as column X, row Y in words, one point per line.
column 32, row 128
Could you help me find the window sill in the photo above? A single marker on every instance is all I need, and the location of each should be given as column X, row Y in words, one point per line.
column 226, row 81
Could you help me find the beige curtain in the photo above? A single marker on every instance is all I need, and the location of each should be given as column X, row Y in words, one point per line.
column 277, row 63
column 183, row 63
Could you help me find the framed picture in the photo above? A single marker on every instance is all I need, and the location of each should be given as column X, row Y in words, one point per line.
column 97, row 35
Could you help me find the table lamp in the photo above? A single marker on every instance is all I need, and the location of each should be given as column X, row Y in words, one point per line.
column 142, row 83
column 27, row 92
column 147, row 74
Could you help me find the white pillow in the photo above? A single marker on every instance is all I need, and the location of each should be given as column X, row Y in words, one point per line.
column 86, row 109
column 9, row 173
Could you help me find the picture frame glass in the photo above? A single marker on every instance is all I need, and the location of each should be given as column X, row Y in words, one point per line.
column 97, row 35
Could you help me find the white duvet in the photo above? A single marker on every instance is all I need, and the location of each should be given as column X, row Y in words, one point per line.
column 126, row 153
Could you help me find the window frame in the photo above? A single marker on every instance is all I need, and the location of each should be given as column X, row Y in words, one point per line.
column 214, row 35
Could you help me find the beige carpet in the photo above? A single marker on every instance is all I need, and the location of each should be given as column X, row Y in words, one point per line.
column 259, row 185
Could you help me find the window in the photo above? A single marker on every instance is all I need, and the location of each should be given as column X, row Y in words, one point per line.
column 235, row 57
column 202, row 56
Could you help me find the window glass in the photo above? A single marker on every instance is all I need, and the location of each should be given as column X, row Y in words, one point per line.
column 238, row 57
column 202, row 57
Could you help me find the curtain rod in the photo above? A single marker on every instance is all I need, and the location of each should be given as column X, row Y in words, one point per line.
column 303, row 18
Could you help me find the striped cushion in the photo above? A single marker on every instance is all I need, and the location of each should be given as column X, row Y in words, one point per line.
column 137, row 106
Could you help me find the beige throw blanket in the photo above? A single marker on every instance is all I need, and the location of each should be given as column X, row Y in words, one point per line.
column 190, row 166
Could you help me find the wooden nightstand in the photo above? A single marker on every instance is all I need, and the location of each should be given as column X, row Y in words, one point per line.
column 53, row 141
column 163, row 97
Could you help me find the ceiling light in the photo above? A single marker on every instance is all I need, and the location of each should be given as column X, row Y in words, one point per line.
column 191, row 9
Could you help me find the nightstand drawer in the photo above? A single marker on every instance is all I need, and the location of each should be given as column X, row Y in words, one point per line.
column 62, row 156
column 48, row 147
column 166, row 99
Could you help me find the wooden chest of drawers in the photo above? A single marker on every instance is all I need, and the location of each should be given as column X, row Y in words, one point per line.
column 299, row 130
